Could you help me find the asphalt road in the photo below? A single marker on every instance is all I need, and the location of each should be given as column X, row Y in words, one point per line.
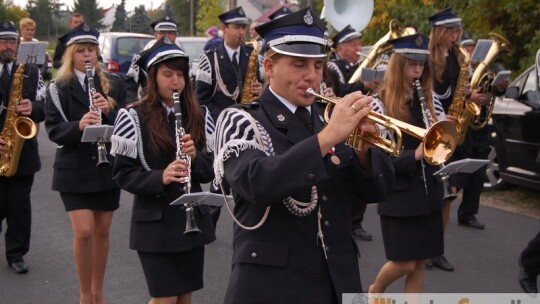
column 485, row 261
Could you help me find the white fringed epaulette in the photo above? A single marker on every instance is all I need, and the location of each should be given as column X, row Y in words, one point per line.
column 209, row 130
column 125, row 135
column 333, row 66
column 204, row 71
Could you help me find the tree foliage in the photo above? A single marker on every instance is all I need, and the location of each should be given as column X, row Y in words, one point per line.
column 207, row 14
column 182, row 11
column 90, row 10
column 140, row 21
column 120, row 23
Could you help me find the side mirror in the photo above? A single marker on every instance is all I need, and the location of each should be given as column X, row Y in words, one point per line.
column 512, row 92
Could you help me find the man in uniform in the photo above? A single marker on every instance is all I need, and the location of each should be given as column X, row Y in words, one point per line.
column 219, row 80
column 15, row 190
column 293, row 177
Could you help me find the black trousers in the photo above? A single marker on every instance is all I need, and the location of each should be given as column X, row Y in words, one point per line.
column 15, row 207
column 530, row 256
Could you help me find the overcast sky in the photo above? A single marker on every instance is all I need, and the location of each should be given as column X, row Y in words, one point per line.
column 130, row 4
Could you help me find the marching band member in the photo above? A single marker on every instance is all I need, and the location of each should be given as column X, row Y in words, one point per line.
column 144, row 147
column 15, row 204
column 411, row 218
column 303, row 246
column 89, row 194
column 445, row 60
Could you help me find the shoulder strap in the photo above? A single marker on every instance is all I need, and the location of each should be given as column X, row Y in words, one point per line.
column 53, row 91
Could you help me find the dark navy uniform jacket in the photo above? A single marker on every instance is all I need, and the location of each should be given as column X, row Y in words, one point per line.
column 75, row 168
column 282, row 261
column 29, row 162
column 208, row 92
column 156, row 226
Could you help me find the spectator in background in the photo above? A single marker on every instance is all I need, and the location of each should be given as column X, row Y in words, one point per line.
column 27, row 27
column 165, row 26
column 215, row 39
column 74, row 20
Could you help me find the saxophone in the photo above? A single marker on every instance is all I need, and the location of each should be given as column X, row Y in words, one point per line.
column 462, row 108
column 16, row 129
column 251, row 74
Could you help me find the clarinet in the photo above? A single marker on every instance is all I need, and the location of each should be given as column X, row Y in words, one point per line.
column 191, row 223
column 103, row 161
column 428, row 118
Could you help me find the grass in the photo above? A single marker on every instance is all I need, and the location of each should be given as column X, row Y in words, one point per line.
column 514, row 199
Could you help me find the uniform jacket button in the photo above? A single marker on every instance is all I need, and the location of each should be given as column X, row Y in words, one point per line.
column 253, row 254
column 327, row 223
column 93, row 158
column 311, row 177
column 324, row 198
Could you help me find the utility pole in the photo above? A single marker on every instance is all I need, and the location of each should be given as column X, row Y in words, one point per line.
column 191, row 17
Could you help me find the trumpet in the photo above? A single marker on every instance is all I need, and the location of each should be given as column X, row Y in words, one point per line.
column 191, row 223
column 440, row 140
column 103, row 161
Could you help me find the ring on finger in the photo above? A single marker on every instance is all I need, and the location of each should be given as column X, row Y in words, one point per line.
column 354, row 107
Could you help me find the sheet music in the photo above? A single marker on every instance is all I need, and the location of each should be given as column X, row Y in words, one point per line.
column 500, row 77
column 97, row 133
column 481, row 50
column 32, row 52
column 202, row 198
column 367, row 74
column 466, row 165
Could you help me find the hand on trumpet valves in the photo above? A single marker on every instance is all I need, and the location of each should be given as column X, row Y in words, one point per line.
column 419, row 152
column 347, row 115
column 188, row 146
column 101, row 103
column 88, row 119
column 175, row 172
column 24, row 107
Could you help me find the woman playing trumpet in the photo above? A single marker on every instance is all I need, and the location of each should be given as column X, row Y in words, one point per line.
column 411, row 218
column 147, row 164
column 89, row 194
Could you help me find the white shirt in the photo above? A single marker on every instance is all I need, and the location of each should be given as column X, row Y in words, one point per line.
column 287, row 103
column 230, row 52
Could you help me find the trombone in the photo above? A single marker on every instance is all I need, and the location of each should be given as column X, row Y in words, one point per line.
column 439, row 141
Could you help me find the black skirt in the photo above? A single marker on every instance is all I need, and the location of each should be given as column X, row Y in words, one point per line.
column 413, row 238
column 173, row 274
column 108, row 200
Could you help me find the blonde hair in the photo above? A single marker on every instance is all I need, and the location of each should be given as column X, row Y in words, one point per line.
column 67, row 70
column 396, row 88
column 26, row 22
column 438, row 50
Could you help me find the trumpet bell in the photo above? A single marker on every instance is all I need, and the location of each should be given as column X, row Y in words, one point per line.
column 440, row 141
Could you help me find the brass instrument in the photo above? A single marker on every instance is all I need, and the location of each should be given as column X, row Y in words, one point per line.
column 439, row 140
column 461, row 108
column 16, row 129
column 428, row 119
column 251, row 74
column 103, row 161
column 191, row 223
column 481, row 79
column 382, row 46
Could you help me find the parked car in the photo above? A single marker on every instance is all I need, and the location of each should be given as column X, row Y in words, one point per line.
column 515, row 154
column 117, row 49
column 194, row 47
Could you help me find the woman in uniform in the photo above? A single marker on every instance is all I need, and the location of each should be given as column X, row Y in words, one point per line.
column 150, row 164
column 89, row 194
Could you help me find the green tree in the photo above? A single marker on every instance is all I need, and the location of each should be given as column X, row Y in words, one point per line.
column 182, row 12
column 120, row 18
column 207, row 14
column 140, row 22
column 41, row 11
column 90, row 10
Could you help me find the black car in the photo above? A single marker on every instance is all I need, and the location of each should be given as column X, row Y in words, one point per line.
column 117, row 49
column 515, row 155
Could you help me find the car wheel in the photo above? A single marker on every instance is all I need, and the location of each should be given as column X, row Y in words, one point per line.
column 493, row 177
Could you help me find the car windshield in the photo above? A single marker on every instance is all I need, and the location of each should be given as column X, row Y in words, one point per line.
column 127, row 46
column 194, row 49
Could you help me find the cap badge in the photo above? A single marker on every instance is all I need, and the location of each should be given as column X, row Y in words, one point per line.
column 308, row 19
column 86, row 28
column 418, row 41
column 5, row 25
column 280, row 117
column 241, row 12
column 166, row 40
column 167, row 18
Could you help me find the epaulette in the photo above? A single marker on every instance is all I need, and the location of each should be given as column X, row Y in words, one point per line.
column 251, row 105
column 209, row 51
column 133, row 105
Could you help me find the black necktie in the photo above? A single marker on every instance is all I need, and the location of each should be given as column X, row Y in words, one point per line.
column 5, row 78
column 305, row 117
column 237, row 72
column 172, row 123
column 85, row 87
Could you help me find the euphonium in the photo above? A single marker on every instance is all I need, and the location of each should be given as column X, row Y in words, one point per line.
column 103, row 161
column 439, row 140
column 461, row 108
column 428, row 122
column 482, row 78
column 251, row 74
column 382, row 46
column 191, row 223
column 16, row 129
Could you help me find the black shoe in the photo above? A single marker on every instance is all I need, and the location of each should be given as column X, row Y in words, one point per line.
column 526, row 281
column 442, row 263
column 429, row 263
column 473, row 223
column 361, row 234
column 19, row 267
